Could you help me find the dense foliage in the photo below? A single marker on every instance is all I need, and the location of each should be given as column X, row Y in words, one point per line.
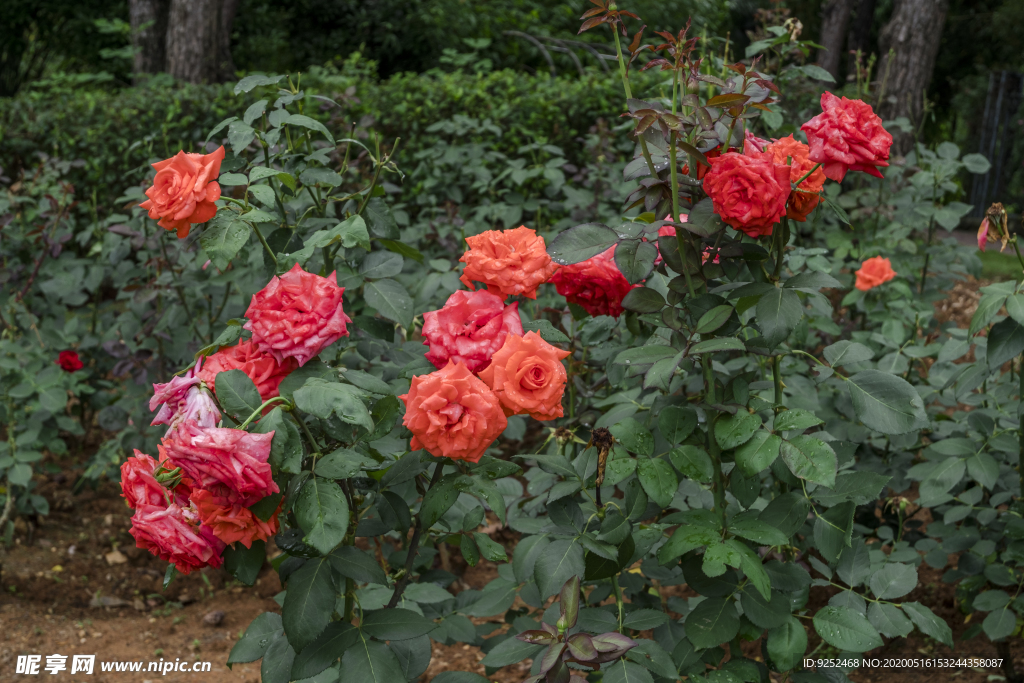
column 751, row 363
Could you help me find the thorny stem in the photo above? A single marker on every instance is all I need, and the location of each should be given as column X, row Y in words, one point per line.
column 629, row 96
column 414, row 544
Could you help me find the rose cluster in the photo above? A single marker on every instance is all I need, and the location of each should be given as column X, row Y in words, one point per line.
column 487, row 368
column 196, row 498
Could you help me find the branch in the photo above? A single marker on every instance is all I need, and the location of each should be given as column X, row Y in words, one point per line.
column 414, row 544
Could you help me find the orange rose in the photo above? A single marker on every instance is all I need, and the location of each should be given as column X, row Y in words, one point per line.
column 874, row 272
column 509, row 262
column 800, row 203
column 229, row 520
column 527, row 375
column 184, row 190
column 453, row 414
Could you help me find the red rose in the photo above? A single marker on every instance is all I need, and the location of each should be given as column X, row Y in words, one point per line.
column 297, row 315
column 452, row 414
column 702, row 170
column 229, row 520
column 596, row 284
column 213, row 456
column 847, row 136
column 469, row 329
column 800, row 203
column 173, row 533
column 873, row 272
column 749, row 192
column 138, row 483
column 69, row 361
column 184, row 190
column 262, row 368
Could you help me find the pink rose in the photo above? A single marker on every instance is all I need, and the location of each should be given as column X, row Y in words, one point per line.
column 469, row 328
column 138, row 483
column 211, row 455
column 171, row 533
column 847, row 136
column 297, row 315
column 183, row 398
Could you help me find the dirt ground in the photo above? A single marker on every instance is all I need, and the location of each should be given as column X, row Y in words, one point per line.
column 74, row 583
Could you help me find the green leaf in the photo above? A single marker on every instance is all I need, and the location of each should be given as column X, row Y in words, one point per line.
column 846, row 629
column 717, row 344
column 353, row 563
column 343, row 463
column 694, row 462
column 381, row 264
column 787, row 512
column 795, row 420
column 559, row 561
column 713, row 622
column 382, row 223
column 734, row 430
column 812, row 281
column 845, row 352
column 489, row 548
column 988, row 308
column 396, row 624
column 860, row 487
column 258, row 635
column 371, row 661
column 390, row 300
column 325, row 650
column 240, row 135
column 322, row 398
column 634, row 436
column 833, row 530
column 286, row 449
column 1005, row 341
column 510, row 651
column 245, row 563
column 976, row 163
column 750, row 528
column 703, row 220
column 438, row 500
column 311, row 124
column 643, row 300
column 810, row 459
column 547, row 331
column 413, row 655
column 676, row 423
column 644, row 355
column 496, row 598
column 886, row 403
column 658, row 479
column 581, row 242
column 277, row 662
column 350, row 233
column 322, row 513
column 223, row 237
column 462, row 676
column 686, row 538
column 777, row 314
column 237, row 394
column 928, row 623
column 1000, row 624
column 299, row 376
column 402, row 248
column 308, row 603
column 757, row 454
column 254, row 81
column 644, row 619
column 889, row 620
column 713, row 319
column 624, row 671
column 894, row 580
column 635, row 259
column 787, row 644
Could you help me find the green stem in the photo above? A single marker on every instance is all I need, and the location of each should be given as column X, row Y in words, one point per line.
column 680, row 240
column 350, row 589
column 263, row 241
column 927, row 256
column 618, row 599
column 259, row 411
column 629, row 96
column 309, row 437
column 414, row 543
column 807, row 175
column 777, row 377
column 713, row 449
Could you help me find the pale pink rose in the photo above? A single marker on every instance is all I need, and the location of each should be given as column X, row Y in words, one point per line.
column 231, row 457
column 469, row 328
column 184, row 398
column 170, row 533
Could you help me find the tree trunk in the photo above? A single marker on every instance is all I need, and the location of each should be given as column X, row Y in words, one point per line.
column 859, row 37
column 913, row 35
column 149, row 34
column 835, row 16
column 198, row 40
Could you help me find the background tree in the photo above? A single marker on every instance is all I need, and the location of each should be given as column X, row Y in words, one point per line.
column 835, row 17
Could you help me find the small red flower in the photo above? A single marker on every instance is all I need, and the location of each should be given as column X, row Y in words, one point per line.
column 69, row 361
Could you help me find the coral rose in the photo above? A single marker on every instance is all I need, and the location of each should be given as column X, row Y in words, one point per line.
column 297, row 315
column 172, row 533
column 702, row 170
column 138, row 482
column 803, row 199
column 847, row 136
column 184, row 190
column 528, row 377
column 69, row 361
column 748, row 192
column 469, row 328
column 509, row 262
column 229, row 520
column 596, row 284
column 262, row 368
column 873, row 272
column 183, row 398
column 453, row 414
column 230, row 457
